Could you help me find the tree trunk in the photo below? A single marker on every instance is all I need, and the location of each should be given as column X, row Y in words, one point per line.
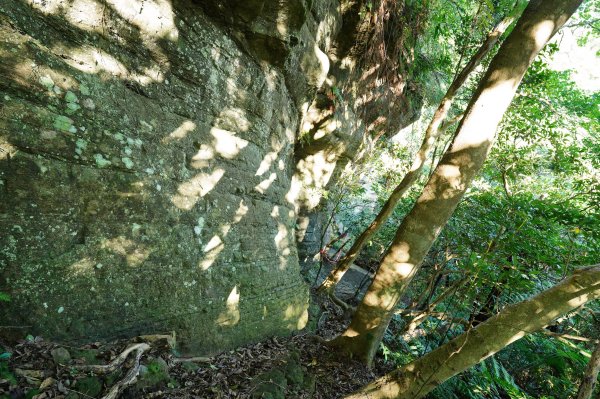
column 453, row 175
column 416, row 379
column 586, row 389
column 431, row 133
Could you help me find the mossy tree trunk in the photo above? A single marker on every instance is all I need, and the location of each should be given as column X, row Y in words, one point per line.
column 452, row 176
column 416, row 379
column 586, row 389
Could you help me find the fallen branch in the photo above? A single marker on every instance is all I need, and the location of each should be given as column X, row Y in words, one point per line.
column 131, row 375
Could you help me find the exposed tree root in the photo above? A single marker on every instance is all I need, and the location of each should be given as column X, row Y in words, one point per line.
column 345, row 307
column 109, row 368
column 131, row 375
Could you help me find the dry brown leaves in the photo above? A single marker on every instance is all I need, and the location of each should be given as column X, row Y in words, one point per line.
column 227, row 375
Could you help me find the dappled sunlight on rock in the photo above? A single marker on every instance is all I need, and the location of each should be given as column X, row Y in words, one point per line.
column 154, row 18
column 181, row 132
column 134, row 253
column 200, row 185
column 215, row 245
column 203, row 157
column 282, row 239
column 226, row 143
column 265, row 184
column 233, row 119
column 94, row 60
column 211, row 251
column 84, row 266
column 314, row 174
column 317, row 71
column 231, row 316
column 240, row 212
column 7, row 150
column 266, row 163
column 297, row 314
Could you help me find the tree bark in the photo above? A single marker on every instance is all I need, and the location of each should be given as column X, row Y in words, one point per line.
column 452, row 176
column 432, row 132
column 416, row 379
column 586, row 389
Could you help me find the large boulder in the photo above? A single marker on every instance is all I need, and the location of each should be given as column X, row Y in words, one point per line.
column 146, row 156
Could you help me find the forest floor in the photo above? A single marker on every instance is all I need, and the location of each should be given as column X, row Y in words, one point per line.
column 300, row 366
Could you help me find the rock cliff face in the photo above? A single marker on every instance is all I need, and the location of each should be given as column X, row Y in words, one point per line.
column 149, row 176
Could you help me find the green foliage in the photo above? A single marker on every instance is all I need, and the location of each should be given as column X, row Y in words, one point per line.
column 586, row 21
column 528, row 220
column 455, row 30
column 490, row 379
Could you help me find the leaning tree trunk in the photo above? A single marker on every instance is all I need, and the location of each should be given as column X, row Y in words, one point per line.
column 416, row 379
column 434, row 129
column 586, row 389
column 453, row 175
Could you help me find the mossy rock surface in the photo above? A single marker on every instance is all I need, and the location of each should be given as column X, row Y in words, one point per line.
column 61, row 356
column 106, row 167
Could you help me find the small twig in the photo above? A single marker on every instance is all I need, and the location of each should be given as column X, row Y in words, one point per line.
column 569, row 337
